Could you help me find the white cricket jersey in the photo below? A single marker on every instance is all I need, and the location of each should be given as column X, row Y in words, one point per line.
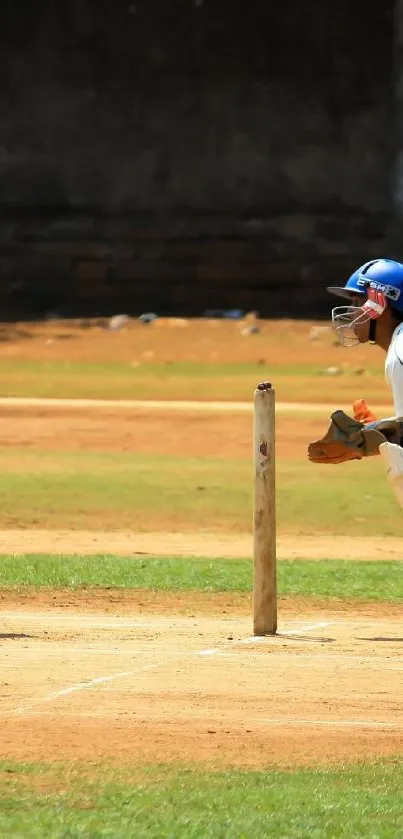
column 394, row 369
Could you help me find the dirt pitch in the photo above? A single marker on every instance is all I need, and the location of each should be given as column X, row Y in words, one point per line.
column 163, row 678
column 157, row 677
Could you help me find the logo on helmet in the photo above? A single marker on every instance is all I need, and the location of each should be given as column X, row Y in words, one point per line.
column 389, row 291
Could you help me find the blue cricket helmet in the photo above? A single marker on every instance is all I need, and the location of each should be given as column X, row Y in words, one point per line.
column 384, row 275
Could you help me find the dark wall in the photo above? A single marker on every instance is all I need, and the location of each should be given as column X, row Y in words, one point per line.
column 188, row 154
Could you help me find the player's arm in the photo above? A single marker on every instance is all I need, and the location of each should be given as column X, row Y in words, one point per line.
column 394, row 372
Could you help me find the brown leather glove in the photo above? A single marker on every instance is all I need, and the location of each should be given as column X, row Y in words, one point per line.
column 348, row 439
column 335, row 446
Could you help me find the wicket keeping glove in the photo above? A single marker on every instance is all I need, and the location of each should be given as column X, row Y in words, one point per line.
column 349, row 439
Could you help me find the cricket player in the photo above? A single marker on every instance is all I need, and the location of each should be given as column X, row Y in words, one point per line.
column 374, row 314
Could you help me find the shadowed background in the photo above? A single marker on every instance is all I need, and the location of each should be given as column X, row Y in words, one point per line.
column 190, row 155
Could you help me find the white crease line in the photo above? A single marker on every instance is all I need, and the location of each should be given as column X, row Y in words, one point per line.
column 209, row 652
column 98, row 681
column 259, row 639
column 81, row 686
column 167, row 655
column 298, row 630
column 136, row 651
column 330, row 723
column 181, row 623
column 83, row 620
column 104, row 679
column 63, row 652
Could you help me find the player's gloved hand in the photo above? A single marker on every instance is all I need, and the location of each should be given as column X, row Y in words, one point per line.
column 349, row 439
column 336, row 445
column 361, row 411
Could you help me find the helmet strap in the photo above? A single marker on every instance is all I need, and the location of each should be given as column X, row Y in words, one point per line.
column 372, row 331
column 375, row 305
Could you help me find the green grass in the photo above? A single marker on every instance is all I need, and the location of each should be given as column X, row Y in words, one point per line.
column 372, row 581
column 183, row 380
column 69, row 802
column 113, row 491
column 100, row 491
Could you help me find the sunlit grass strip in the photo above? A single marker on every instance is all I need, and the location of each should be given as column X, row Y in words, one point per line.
column 184, row 380
column 142, row 492
column 101, row 801
column 372, row 581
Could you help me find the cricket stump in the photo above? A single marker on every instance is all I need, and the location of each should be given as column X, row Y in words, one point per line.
column 264, row 519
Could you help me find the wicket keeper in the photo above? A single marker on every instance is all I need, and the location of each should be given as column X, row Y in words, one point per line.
column 374, row 314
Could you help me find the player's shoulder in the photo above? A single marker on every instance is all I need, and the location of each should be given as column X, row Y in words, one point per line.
column 396, row 344
column 398, row 333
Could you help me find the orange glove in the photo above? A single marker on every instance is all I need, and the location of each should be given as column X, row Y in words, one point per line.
column 361, row 411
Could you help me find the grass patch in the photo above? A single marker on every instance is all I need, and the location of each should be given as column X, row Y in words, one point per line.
column 183, row 380
column 117, row 491
column 101, row 491
column 70, row 802
column 372, row 581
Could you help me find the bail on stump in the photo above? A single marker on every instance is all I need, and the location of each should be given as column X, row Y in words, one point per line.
column 264, row 513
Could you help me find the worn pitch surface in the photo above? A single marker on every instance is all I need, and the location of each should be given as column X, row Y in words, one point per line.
column 160, row 677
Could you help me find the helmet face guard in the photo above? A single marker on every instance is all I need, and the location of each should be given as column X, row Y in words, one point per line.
column 345, row 319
